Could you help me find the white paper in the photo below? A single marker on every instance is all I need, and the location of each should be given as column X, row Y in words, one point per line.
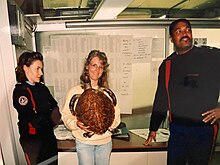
column 162, row 135
column 62, row 133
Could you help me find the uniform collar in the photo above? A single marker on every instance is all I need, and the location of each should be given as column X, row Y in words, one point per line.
column 186, row 52
column 30, row 83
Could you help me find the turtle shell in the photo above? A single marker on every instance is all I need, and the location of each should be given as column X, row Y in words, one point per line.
column 95, row 109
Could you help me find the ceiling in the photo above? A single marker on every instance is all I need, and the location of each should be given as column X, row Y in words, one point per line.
column 119, row 9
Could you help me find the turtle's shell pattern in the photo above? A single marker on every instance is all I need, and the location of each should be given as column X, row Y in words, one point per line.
column 96, row 110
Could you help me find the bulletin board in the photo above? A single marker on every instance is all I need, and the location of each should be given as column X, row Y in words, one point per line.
column 134, row 55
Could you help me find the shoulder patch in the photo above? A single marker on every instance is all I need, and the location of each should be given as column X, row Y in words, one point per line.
column 23, row 100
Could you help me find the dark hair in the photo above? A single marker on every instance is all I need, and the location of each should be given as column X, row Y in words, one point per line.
column 26, row 58
column 173, row 24
column 102, row 82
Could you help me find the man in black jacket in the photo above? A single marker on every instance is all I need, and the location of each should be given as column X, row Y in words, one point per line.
column 188, row 86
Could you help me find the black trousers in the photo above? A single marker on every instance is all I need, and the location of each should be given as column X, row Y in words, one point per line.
column 41, row 150
column 191, row 145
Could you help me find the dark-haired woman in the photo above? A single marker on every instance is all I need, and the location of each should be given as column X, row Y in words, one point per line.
column 34, row 104
column 95, row 150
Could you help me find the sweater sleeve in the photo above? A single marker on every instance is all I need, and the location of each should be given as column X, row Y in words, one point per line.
column 67, row 117
column 117, row 119
column 160, row 105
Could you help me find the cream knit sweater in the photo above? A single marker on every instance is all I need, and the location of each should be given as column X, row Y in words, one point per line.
column 70, row 122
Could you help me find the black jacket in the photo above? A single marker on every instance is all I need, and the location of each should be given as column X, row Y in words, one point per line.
column 194, row 87
column 38, row 118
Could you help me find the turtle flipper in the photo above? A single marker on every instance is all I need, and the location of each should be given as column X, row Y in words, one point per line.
column 72, row 103
column 111, row 94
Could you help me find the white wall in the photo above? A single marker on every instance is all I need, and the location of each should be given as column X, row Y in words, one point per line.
column 9, row 132
column 212, row 36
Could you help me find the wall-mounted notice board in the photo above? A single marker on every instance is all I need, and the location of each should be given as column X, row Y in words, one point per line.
column 134, row 55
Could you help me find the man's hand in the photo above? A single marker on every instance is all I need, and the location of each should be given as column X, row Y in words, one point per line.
column 151, row 136
column 212, row 115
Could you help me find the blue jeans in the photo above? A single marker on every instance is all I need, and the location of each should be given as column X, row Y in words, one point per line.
column 93, row 154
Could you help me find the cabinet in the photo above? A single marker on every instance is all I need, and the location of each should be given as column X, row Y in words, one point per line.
column 122, row 158
column 124, row 152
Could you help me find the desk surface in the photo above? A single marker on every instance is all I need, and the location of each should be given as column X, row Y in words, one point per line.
column 135, row 144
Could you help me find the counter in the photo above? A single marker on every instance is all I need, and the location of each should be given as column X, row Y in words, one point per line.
column 133, row 145
column 125, row 152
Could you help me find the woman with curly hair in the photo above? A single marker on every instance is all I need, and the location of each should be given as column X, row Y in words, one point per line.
column 94, row 148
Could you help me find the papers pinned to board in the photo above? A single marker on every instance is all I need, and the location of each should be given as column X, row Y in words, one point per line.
column 162, row 134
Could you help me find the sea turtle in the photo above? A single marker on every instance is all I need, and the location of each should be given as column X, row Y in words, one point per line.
column 94, row 109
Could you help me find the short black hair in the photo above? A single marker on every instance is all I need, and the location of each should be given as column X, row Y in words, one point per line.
column 173, row 24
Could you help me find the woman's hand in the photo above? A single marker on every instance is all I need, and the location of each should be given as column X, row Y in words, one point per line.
column 82, row 126
column 151, row 136
column 212, row 115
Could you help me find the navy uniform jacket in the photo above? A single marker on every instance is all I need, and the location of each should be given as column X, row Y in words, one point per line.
column 194, row 87
column 34, row 109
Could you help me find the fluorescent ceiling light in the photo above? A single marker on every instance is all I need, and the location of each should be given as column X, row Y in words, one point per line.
column 109, row 9
column 163, row 16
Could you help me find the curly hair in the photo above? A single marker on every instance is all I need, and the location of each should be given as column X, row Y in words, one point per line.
column 26, row 58
column 102, row 82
